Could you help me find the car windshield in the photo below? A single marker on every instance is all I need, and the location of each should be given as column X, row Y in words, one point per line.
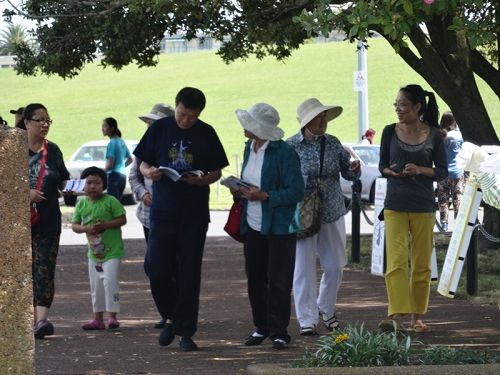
column 91, row 153
column 369, row 155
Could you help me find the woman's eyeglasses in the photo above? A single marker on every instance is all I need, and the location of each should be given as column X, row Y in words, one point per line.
column 42, row 121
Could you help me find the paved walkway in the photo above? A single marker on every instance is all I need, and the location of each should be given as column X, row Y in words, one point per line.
column 224, row 320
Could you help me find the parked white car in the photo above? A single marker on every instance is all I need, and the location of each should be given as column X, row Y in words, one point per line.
column 369, row 156
column 93, row 153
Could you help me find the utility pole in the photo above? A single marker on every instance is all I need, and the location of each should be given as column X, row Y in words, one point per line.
column 361, row 86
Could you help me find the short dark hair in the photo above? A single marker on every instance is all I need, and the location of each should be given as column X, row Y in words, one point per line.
column 191, row 98
column 95, row 171
column 447, row 121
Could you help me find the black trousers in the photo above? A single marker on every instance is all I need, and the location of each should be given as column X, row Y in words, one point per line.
column 175, row 252
column 269, row 265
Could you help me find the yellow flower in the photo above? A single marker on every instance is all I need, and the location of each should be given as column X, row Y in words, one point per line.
column 341, row 338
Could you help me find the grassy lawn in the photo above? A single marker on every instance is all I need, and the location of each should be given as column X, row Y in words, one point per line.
column 324, row 70
column 78, row 105
column 488, row 268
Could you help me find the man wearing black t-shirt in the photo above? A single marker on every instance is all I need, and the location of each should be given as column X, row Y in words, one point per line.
column 179, row 213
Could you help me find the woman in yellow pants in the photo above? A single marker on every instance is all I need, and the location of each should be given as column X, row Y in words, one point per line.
column 412, row 156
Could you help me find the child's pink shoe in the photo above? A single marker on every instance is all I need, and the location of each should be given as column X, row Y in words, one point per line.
column 93, row 325
column 113, row 323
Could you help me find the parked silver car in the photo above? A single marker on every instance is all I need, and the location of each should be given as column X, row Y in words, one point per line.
column 369, row 156
column 93, row 153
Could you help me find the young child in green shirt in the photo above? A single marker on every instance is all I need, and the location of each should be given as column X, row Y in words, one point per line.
column 100, row 216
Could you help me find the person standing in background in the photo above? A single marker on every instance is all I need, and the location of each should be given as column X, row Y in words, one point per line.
column 18, row 117
column 117, row 158
column 367, row 138
column 453, row 186
column 142, row 187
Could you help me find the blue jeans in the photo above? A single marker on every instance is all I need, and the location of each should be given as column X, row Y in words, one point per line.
column 116, row 184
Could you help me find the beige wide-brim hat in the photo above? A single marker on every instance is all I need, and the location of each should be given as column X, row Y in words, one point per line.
column 262, row 120
column 312, row 107
column 159, row 111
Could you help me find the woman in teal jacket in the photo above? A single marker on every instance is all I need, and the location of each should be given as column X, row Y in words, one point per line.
column 270, row 221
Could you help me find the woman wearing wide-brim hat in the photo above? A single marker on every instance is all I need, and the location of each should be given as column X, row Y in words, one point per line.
column 269, row 222
column 330, row 242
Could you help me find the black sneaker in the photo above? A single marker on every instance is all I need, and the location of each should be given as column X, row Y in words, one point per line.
column 279, row 344
column 161, row 324
column 187, row 344
column 43, row 328
column 254, row 340
column 167, row 335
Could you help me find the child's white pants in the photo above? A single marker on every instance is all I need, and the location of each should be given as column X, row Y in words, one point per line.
column 104, row 286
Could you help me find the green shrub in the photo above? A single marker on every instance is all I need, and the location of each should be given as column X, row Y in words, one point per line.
column 358, row 347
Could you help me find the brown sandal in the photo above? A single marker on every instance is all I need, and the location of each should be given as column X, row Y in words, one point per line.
column 419, row 326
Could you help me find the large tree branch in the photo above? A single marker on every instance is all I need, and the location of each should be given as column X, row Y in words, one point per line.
column 484, row 69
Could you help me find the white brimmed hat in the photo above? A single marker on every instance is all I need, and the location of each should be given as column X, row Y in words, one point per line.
column 159, row 111
column 312, row 107
column 262, row 120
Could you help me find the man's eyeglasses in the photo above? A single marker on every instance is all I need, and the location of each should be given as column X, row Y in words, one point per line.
column 42, row 121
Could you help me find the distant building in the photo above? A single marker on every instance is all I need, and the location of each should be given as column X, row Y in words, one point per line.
column 178, row 43
column 7, row 61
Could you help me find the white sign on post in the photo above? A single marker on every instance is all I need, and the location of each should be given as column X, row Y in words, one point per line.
column 359, row 80
column 378, row 238
column 459, row 242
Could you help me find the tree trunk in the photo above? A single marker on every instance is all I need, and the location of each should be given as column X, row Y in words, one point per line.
column 445, row 63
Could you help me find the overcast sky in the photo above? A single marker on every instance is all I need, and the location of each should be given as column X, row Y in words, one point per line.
column 5, row 5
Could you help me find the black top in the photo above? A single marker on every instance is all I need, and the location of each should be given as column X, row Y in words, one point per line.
column 412, row 193
column 55, row 174
column 166, row 144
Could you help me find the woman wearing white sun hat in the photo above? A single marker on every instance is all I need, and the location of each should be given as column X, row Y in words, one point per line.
column 269, row 222
column 329, row 243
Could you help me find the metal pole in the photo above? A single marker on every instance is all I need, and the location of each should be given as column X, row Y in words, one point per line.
column 362, row 94
column 356, row 227
column 472, row 265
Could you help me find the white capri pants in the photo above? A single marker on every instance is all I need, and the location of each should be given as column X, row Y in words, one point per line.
column 105, row 286
column 329, row 244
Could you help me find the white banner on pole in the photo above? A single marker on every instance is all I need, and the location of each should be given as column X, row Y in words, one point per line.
column 359, row 80
column 378, row 238
column 459, row 242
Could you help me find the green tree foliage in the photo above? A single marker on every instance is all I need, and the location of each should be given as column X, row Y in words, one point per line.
column 12, row 36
